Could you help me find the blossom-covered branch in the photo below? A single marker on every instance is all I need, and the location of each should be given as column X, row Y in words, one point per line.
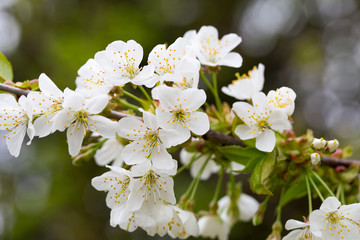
column 134, row 135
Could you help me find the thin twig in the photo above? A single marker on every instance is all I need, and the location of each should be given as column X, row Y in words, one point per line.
column 210, row 135
column 338, row 161
column 15, row 90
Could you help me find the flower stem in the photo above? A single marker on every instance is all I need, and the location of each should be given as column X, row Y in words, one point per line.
column 323, row 183
column 280, row 206
column 216, row 93
column 147, row 96
column 193, row 159
column 198, row 177
column 216, row 113
column 132, row 96
column 204, row 78
column 316, row 188
column 309, row 193
column 338, row 191
column 128, row 105
column 342, row 196
column 218, row 186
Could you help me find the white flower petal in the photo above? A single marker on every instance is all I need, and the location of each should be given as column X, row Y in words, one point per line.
column 73, row 100
column 245, row 132
column 63, row 119
column 266, row 141
column 15, row 139
column 133, row 154
column 230, row 41
column 48, row 87
column 199, row 123
column 293, row 224
column 75, row 135
column 108, row 152
column 279, row 121
column 192, row 98
column 96, row 104
column 260, row 104
column 330, row 204
column 247, row 206
column 128, row 128
column 161, row 158
column 231, row 60
column 244, row 111
column 102, row 125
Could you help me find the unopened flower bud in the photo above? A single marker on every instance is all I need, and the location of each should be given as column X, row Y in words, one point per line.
column 276, row 232
column 315, row 158
column 333, row 145
column 319, row 143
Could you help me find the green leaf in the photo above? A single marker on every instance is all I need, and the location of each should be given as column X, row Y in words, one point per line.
column 241, row 155
column 349, row 174
column 296, row 190
column 6, row 72
column 347, row 152
column 260, row 178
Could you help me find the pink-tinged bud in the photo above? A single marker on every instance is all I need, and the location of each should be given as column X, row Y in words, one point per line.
column 319, row 143
column 295, row 159
column 315, row 159
column 338, row 153
column 157, row 103
column 332, row 145
column 289, row 134
column 340, row 168
column 302, row 140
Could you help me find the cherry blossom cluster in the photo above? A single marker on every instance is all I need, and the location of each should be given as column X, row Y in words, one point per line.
column 174, row 115
column 332, row 221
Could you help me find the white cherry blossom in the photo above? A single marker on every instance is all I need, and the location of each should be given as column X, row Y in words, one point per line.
column 187, row 80
column 210, row 168
column 151, row 187
column 80, row 114
column 178, row 111
column 212, row 226
column 171, row 63
column 118, row 184
column 282, row 99
column 92, row 79
column 300, row 231
column 260, row 121
column 16, row 119
column 130, row 220
column 247, row 84
column 213, row 52
column 246, row 204
column 166, row 220
column 109, row 152
column 189, row 226
column 121, row 62
column 148, row 141
column 333, row 221
column 46, row 105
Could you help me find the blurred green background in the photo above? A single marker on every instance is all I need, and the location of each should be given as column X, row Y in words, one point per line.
column 311, row 46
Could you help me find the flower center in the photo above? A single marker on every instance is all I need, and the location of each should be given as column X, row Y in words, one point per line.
column 179, row 115
column 152, row 138
column 244, row 76
column 81, row 116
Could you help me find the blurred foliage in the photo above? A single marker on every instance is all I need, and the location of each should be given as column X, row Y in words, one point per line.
column 43, row 196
